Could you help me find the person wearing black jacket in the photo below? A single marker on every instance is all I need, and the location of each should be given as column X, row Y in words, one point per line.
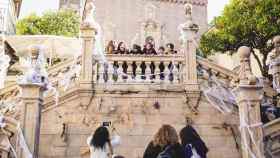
column 149, row 49
column 189, row 135
column 166, row 137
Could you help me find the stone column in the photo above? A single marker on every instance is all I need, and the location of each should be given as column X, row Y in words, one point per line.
column 32, row 97
column 249, row 96
column 188, row 32
column 88, row 32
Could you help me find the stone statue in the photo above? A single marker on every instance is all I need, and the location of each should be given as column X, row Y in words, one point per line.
column 188, row 25
column 89, row 20
column 246, row 76
column 274, row 64
column 274, row 54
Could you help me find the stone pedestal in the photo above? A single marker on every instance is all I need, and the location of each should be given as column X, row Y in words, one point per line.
column 32, row 97
column 249, row 99
column 87, row 71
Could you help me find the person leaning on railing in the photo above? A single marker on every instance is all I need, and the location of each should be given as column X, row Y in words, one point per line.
column 149, row 49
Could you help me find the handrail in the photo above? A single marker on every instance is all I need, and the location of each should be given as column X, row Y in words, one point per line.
column 217, row 68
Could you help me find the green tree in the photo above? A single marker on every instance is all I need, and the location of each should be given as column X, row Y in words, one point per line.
column 62, row 22
column 244, row 22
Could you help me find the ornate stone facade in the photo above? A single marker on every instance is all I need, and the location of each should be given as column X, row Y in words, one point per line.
column 132, row 21
column 136, row 103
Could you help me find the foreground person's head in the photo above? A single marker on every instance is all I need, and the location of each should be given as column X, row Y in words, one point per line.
column 100, row 137
column 166, row 135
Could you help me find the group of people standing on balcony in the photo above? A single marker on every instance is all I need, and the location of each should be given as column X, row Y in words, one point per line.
column 165, row 144
column 148, row 49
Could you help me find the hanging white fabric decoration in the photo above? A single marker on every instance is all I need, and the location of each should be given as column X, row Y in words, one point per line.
column 4, row 64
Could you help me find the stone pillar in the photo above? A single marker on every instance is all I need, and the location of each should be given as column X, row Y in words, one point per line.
column 188, row 34
column 87, row 35
column 32, row 97
column 88, row 32
column 249, row 96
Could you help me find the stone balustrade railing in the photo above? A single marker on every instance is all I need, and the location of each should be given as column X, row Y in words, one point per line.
column 141, row 69
column 216, row 69
column 272, row 135
column 61, row 68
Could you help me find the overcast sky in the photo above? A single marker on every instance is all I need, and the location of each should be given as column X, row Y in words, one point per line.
column 215, row 7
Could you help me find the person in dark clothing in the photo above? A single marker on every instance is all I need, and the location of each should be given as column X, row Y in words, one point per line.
column 166, row 137
column 161, row 50
column 122, row 48
column 149, row 49
column 136, row 49
column 189, row 136
column 170, row 48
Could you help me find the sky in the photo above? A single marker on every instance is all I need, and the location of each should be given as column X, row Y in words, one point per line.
column 215, row 7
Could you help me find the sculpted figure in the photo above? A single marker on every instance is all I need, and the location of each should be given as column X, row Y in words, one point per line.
column 89, row 20
column 274, row 64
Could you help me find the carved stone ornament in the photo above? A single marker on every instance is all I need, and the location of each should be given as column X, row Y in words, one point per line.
column 245, row 75
column 187, row 29
column 189, row 21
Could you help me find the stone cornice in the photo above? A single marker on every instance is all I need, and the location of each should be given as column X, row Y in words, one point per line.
column 194, row 2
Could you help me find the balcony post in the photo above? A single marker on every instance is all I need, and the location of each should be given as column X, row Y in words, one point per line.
column 88, row 32
column 249, row 96
column 188, row 31
column 32, row 98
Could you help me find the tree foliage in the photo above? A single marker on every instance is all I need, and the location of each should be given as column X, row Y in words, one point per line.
column 244, row 22
column 62, row 22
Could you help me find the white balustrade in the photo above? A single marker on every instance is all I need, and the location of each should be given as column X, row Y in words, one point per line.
column 141, row 69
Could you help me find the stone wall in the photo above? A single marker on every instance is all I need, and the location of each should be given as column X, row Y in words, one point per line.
column 136, row 120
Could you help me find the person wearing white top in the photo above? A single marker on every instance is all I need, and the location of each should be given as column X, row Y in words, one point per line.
column 100, row 144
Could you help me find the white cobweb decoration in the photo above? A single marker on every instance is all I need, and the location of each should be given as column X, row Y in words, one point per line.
column 219, row 96
column 4, row 65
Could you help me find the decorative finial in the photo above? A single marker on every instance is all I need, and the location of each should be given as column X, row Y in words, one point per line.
column 244, row 53
column 245, row 74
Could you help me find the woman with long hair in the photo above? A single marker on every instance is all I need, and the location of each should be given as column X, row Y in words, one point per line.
column 165, row 141
column 101, row 146
column 192, row 142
